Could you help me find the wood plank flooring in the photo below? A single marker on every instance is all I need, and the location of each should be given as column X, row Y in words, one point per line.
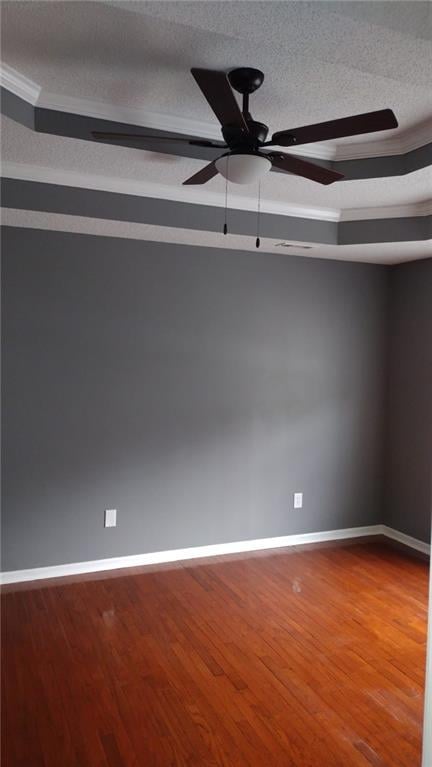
column 306, row 657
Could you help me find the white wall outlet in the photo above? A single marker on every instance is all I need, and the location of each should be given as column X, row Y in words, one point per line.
column 298, row 500
column 110, row 517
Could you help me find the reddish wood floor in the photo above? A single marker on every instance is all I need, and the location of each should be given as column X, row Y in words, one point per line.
column 295, row 658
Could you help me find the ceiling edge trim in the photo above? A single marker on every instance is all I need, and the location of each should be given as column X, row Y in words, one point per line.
column 76, row 201
column 409, row 210
column 181, row 193
column 19, row 84
column 22, row 172
column 30, row 91
column 192, row 127
column 124, row 230
column 34, row 196
column 102, row 227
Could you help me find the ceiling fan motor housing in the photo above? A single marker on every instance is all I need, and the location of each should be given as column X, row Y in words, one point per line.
column 237, row 139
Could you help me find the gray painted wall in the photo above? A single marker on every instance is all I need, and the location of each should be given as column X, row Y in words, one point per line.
column 409, row 439
column 192, row 389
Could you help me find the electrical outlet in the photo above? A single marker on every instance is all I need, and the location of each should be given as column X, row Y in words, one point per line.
column 298, row 500
column 110, row 517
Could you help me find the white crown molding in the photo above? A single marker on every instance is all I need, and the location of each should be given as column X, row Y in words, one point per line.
column 21, row 218
column 212, row 550
column 159, row 191
column 19, row 84
column 137, row 117
column 391, row 211
column 33, row 93
column 402, row 144
column 48, row 221
column 44, row 175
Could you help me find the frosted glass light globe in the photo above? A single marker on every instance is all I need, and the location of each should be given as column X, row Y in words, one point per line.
column 243, row 168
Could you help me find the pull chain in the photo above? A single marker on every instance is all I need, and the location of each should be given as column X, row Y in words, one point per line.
column 225, row 229
column 257, row 242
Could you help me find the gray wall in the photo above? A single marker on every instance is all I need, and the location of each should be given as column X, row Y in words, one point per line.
column 192, row 389
column 409, row 436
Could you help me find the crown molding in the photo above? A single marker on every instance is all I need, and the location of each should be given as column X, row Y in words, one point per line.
column 403, row 144
column 21, row 218
column 158, row 121
column 34, row 94
column 423, row 208
column 136, row 117
column 385, row 253
column 19, row 84
column 193, row 196
column 159, row 191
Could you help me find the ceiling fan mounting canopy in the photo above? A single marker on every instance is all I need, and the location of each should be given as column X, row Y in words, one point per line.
column 246, row 80
column 244, row 137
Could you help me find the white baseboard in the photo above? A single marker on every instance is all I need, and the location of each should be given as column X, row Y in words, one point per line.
column 407, row 540
column 212, row 550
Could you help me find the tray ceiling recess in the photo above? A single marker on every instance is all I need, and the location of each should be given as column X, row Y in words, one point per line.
column 65, row 96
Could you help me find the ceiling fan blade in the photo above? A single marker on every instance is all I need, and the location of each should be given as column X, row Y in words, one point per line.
column 203, row 175
column 298, row 167
column 369, row 122
column 147, row 137
column 218, row 92
column 203, row 142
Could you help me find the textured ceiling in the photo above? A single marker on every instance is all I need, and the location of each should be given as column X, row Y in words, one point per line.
column 21, row 145
column 321, row 60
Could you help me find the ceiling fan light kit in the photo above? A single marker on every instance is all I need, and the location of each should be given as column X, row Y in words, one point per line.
column 241, row 168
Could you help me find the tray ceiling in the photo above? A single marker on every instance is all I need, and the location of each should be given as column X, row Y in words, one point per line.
column 321, row 60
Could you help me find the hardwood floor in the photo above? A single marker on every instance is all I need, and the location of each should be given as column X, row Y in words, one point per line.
column 306, row 657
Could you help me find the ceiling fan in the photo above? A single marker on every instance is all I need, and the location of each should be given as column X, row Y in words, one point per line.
column 245, row 138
